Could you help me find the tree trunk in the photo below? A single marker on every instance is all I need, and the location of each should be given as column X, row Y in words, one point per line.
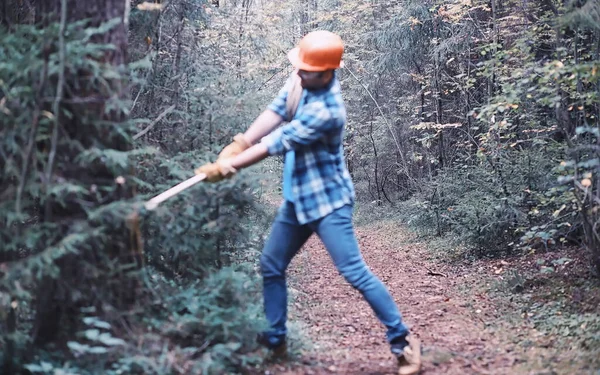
column 438, row 106
column 375, row 160
column 14, row 12
column 494, row 49
column 304, row 17
column 59, row 299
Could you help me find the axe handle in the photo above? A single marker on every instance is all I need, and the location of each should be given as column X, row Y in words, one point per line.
column 154, row 202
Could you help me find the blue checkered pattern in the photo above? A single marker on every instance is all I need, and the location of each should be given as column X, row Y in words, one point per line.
column 320, row 180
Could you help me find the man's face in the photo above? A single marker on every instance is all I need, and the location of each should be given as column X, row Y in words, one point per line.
column 314, row 80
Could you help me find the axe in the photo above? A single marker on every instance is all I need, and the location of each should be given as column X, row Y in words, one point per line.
column 154, row 202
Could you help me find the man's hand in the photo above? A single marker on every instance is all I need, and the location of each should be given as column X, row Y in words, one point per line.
column 217, row 171
column 236, row 147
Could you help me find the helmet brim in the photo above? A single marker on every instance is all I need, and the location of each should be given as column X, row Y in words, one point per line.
column 294, row 57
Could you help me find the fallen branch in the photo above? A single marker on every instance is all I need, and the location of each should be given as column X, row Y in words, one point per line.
column 160, row 117
column 433, row 273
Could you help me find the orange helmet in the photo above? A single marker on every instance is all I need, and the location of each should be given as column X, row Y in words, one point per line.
column 318, row 51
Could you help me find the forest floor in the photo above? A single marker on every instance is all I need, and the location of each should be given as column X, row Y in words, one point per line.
column 485, row 317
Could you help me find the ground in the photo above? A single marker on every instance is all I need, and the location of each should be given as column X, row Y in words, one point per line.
column 477, row 318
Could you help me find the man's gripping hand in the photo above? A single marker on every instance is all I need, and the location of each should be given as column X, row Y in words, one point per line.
column 236, row 147
column 217, row 171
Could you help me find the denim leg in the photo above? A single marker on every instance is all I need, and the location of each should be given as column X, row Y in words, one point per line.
column 286, row 238
column 337, row 233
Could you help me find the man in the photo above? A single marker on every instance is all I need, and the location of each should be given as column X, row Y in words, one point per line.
column 317, row 188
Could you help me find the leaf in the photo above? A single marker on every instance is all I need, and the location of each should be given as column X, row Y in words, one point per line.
column 92, row 321
column 92, row 334
column 557, row 212
column 34, row 368
column 591, row 163
column 65, row 188
column 77, row 347
column 561, row 261
column 587, row 129
column 44, row 367
column 107, row 339
column 98, row 350
column 102, row 29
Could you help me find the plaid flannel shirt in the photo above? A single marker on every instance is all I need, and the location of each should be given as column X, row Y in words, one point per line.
column 321, row 182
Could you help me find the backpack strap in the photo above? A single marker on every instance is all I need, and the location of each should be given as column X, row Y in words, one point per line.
column 293, row 96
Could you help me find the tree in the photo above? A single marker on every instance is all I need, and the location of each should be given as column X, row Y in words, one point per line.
column 66, row 166
column 82, row 88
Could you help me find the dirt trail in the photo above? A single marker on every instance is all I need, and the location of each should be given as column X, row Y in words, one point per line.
column 348, row 339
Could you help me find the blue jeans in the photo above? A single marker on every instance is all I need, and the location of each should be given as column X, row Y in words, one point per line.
column 337, row 233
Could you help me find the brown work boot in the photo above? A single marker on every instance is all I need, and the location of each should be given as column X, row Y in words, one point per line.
column 409, row 362
column 276, row 346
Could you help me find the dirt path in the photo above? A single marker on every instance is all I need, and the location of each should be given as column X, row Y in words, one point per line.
column 348, row 339
column 462, row 329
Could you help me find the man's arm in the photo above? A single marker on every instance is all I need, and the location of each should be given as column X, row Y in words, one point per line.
column 303, row 131
column 250, row 156
column 263, row 125
column 314, row 123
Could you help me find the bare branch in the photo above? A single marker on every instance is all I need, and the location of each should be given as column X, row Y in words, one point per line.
column 405, row 167
column 160, row 117
column 56, row 104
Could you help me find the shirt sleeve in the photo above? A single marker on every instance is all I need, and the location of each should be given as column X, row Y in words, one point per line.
column 312, row 124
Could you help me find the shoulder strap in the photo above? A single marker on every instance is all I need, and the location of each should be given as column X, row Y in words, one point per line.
column 293, row 96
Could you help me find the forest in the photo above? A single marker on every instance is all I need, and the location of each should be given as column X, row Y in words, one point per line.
column 472, row 139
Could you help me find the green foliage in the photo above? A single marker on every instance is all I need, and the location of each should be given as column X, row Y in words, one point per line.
column 500, row 149
column 405, row 43
column 487, row 210
column 74, row 233
column 538, row 104
column 63, row 208
column 200, row 229
column 204, row 326
column 495, row 121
